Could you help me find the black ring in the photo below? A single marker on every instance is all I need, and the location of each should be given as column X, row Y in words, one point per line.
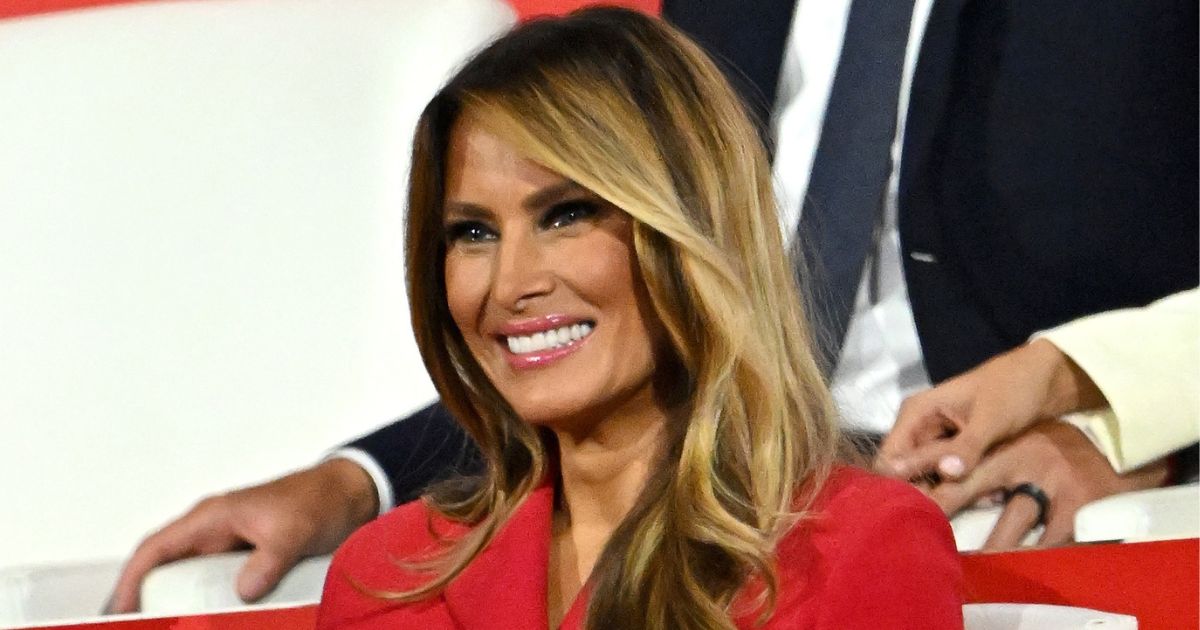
column 1034, row 492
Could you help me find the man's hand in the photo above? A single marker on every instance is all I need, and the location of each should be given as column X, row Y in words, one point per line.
column 1055, row 457
column 305, row 513
column 948, row 429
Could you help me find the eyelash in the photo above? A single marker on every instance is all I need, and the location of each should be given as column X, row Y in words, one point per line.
column 560, row 215
column 467, row 232
column 574, row 211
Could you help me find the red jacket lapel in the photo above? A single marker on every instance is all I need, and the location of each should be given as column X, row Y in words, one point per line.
column 505, row 586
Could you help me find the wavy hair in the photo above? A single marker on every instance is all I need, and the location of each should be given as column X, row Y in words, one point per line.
column 626, row 106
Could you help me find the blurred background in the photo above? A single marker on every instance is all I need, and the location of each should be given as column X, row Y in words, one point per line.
column 201, row 280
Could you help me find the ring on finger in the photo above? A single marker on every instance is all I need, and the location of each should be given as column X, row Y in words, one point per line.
column 1035, row 492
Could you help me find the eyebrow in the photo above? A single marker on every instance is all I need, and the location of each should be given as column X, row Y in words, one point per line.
column 553, row 193
column 544, row 197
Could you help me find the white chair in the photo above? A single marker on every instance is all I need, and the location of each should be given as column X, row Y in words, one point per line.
column 55, row 592
column 1158, row 514
column 206, row 584
column 1042, row 617
column 201, row 276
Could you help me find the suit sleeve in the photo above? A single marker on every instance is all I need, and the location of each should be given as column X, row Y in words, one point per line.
column 1146, row 362
column 423, row 448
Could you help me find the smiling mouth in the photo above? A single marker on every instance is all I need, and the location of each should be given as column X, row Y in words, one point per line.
column 549, row 339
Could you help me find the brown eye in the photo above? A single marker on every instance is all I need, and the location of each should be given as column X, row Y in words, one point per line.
column 469, row 232
column 569, row 212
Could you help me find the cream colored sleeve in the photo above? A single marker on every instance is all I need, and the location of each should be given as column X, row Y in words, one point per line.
column 1146, row 362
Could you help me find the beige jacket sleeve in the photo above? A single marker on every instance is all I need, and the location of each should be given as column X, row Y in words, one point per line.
column 1146, row 362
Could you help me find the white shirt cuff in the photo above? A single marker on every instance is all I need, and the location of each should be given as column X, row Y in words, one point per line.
column 1101, row 429
column 382, row 486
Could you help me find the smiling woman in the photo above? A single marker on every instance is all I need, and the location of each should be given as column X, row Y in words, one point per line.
column 600, row 292
column 542, row 283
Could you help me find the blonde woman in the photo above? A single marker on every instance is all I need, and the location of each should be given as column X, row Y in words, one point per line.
column 600, row 292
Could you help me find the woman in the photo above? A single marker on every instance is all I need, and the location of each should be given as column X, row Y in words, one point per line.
column 600, row 292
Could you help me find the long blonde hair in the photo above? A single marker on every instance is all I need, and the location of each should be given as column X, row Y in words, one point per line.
column 631, row 109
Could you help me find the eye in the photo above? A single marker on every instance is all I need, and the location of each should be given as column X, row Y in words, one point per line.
column 468, row 232
column 567, row 213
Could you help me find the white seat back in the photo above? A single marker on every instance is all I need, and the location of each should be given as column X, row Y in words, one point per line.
column 201, row 279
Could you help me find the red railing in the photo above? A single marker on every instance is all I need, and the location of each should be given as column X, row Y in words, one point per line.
column 1155, row 582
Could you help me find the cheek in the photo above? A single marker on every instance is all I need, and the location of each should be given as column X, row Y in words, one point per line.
column 466, row 289
column 609, row 277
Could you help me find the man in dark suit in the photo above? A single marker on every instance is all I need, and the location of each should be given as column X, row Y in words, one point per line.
column 1048, row 173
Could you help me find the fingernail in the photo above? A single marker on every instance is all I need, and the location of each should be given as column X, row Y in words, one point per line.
column 951, row 465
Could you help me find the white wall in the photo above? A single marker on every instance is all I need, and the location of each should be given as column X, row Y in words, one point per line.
column 200, row 269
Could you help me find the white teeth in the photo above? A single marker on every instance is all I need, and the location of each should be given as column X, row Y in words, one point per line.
column 553, row 338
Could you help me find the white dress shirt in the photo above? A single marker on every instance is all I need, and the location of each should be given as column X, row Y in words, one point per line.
column 880, row 362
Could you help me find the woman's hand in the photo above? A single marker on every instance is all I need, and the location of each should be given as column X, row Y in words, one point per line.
column 948, row 429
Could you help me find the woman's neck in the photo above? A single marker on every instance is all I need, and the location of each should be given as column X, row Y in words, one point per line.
column 602, row 475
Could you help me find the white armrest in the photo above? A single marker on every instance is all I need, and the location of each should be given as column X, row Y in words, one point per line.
column 207, row 584
column 1041, row 617
column 971, row 528
column 55, row 592
column 1156, row 514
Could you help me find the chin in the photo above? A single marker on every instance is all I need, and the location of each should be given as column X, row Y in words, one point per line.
column 548, row 411
column 550, row 417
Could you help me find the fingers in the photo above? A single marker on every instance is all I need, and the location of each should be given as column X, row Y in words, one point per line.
column 936, row 432
column 161, row 548
column 1060, row 529
column 950, row 458
column 949, row 428
column 201, row 530
column 919, row 420
column 262, row 572
column 987, row 478
column 1019, row 516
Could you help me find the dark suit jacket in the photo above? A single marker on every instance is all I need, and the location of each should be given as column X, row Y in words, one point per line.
column 1049, row 171
column 860, row 525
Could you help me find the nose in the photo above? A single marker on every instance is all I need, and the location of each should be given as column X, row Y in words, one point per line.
column 521, row 272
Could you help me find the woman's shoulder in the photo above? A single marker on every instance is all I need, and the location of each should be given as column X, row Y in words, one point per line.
column 373, row 561
column 410, row 532
column 857, row 507
column 850, row 491
column 869, row 549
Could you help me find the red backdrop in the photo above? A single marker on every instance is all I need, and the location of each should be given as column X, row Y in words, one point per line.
column 525, row 8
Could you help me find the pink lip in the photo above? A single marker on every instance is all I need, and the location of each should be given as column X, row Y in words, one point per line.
column 541, row 358
column 521, row 327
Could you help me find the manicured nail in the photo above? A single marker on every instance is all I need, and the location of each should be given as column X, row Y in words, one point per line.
column 951, row 465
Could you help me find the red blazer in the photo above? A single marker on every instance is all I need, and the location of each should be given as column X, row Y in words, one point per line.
column 875, row 553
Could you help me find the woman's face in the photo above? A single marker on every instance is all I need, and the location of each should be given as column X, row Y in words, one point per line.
column 541, row 280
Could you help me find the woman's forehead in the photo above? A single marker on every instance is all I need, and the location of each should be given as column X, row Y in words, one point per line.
column 481, row 164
